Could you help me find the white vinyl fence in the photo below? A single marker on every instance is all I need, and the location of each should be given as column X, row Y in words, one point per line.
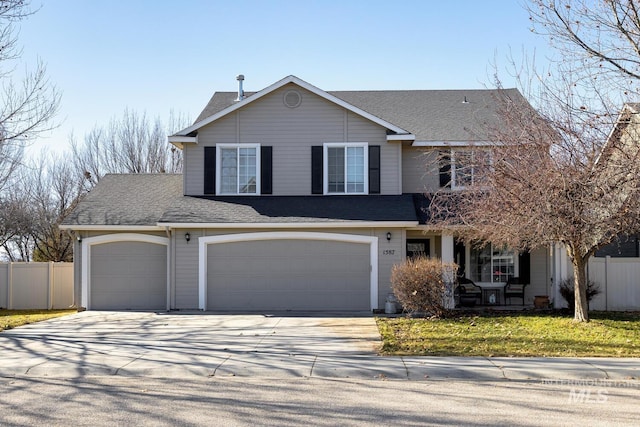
column 36, row 285
column 619, row 280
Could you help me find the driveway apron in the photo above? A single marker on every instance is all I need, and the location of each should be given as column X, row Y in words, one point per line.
column 177, row 345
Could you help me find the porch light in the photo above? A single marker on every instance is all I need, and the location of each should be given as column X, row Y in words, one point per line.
column 388, row 236
column 187, row 237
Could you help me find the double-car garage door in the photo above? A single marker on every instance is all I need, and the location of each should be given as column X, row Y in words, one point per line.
column 288, row 274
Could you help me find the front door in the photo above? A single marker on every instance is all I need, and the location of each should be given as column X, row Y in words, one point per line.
column 417, row 247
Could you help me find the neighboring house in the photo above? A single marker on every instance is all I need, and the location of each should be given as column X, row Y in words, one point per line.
column 292, row 198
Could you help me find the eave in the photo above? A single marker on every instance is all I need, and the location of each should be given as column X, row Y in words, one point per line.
column 180, row 140
column 292, row 225
column 78, row 227
column 453, row 143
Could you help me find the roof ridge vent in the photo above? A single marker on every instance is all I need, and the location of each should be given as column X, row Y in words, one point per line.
column 240, row 79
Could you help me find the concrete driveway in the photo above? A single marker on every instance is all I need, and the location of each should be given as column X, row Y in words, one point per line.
column 169, row 345
column 177, row 345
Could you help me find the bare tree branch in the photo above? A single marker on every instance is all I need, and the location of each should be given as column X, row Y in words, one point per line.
column 131, row 144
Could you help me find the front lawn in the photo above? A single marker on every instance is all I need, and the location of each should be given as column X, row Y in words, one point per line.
column 12, row 318
column 519, row 334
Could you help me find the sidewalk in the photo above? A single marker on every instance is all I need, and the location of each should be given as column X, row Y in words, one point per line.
column 281, row 365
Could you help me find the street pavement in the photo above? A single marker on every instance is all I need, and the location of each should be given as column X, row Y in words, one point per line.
column 270, row 346
column 235, row 401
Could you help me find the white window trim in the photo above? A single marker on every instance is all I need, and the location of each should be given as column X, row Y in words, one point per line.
column 454, row 185
column 325, row 165
column 219, row 147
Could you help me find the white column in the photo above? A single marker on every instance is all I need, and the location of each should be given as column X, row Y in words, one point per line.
column 446, row 250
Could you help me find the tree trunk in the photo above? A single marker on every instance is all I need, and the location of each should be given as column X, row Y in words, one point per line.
column 580, row 288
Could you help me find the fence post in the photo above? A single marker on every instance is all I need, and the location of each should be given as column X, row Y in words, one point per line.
column 607, row 262
column 50, row 287
column 10, row 286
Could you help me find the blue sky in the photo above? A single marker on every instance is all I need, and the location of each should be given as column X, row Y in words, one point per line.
column 154, row 56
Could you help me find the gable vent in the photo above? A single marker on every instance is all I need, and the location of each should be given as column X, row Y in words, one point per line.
column 292, row 98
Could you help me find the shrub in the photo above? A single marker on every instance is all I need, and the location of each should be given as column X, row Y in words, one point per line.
column 420, row 286
column 567, row 292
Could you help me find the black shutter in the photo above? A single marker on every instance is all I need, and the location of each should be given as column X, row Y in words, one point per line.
column 209, row 170
column 445, row 169
column 266, row 170
column 316, row 169
column 374, row 169
column 524, row 263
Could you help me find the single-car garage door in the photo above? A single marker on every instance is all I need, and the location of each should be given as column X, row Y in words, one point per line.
column 128, row 276
column 288, row 275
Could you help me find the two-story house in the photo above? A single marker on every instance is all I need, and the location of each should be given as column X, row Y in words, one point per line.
column 291, row 198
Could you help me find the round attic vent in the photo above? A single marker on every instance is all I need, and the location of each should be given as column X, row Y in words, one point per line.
column 292, row 98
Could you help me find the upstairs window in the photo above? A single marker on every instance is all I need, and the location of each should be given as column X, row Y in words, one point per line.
column 346, row 166
column 467, row 167
column 238, row 167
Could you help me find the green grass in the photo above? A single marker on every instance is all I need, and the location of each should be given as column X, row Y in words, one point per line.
column 606, row 335
column 13, row 318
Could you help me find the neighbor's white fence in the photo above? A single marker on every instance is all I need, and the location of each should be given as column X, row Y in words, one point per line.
column 619, row 280
column 36, row 285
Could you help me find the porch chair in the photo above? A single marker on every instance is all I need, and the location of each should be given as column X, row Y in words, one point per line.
column 514, row 288
column 468, row 292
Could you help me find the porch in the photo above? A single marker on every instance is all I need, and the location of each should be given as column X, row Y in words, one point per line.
column 489, row 268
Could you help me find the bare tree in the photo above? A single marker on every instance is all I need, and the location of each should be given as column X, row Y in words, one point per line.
column 54, row 190
column 132, row 144
column 569, row 172
column 554, row 175
column 27, row 106
column 601, row 39
column 15, row 220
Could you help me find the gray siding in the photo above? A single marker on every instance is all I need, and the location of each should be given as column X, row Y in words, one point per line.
column 291, row 133
column 193, row 169
column 389, row 253
column 540, row 274
column 420, row 172
column 186, row 269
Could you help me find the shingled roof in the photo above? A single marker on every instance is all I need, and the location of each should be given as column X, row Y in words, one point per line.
column 288, row 209
column 430, row 115
column 154, row 199
column 127, row 199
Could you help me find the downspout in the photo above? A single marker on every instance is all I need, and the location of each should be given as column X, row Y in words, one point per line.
column 171, row 264
column 72, row 234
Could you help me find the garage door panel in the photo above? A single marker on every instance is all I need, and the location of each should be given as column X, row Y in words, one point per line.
column 288, row 275
column 128, row 276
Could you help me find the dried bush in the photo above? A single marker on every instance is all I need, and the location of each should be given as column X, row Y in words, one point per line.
column 567, row 291
column 420, row 285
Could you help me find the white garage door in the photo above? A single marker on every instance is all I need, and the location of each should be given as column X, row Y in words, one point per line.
column 128, row 276
column 288, row 275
